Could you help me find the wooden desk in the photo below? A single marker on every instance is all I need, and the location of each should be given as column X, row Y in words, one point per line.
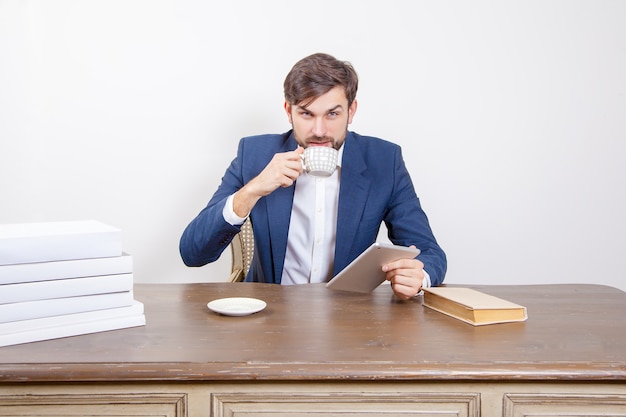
column 317, row 352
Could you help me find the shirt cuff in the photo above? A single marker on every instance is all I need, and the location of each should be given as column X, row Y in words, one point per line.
column 426, row 282
column 229, row 213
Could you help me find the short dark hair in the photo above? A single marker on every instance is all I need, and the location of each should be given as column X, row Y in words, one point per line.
column 317, row 74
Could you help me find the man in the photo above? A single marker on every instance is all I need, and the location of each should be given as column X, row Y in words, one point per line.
column 308, row 229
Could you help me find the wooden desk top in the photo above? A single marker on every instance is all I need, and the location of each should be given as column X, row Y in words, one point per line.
column 574, row 333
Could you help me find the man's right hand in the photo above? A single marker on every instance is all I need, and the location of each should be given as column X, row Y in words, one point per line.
column 282, row 171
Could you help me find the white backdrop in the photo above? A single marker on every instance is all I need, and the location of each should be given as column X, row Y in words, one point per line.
column 512, row 117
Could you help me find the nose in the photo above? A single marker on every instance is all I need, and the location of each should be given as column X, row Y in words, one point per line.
column 319, row 127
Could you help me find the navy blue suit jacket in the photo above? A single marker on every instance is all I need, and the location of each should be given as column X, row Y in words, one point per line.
column 375, row 187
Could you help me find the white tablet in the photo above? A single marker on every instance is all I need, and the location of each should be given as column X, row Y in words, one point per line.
column 365, row 272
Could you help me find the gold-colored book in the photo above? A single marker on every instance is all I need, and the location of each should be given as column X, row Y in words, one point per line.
column 472, row 306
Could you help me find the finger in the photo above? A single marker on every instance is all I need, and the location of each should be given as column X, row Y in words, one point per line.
column 290, row 174
column 403, row 264
column 292, row 170
column 406, row 289
column 294, row 155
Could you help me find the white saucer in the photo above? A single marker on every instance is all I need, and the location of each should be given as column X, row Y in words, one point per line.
column 237, row 306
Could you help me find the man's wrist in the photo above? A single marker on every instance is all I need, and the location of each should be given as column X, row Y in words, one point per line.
column 229, row 213
column 426, row 283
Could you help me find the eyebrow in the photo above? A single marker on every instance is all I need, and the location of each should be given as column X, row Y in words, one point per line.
column 337, row 107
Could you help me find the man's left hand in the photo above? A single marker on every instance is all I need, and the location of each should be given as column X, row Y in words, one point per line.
column 406, row 277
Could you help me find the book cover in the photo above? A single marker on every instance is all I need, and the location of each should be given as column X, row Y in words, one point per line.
column 58, row 241
column 44, row 323
column 58, row 306
column 77, row 268
column 62, row 288
column 472, row 306
column 73, row 329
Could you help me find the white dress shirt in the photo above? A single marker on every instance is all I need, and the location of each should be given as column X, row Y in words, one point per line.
column 312, row 229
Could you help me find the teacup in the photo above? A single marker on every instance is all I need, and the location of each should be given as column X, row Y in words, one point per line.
column 319, row 161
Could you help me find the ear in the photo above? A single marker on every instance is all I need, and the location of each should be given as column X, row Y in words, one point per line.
column 352, row 111
column 288, row 111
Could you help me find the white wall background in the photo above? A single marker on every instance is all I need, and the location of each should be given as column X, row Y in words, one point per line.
column 512, row 116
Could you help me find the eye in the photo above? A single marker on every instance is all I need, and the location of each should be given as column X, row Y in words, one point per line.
column 333, row 114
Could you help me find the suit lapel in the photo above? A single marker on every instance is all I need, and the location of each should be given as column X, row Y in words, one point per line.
column 353, row 192
column 279, row 205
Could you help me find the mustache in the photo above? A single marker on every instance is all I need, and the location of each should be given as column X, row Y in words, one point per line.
column 320, row 139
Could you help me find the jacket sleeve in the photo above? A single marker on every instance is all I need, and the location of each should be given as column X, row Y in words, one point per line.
column 408, row 224
column 206, row 237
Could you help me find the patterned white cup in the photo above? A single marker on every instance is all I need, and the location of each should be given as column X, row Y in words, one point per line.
column 319, row 161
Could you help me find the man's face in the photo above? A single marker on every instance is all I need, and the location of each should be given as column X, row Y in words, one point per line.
column 324, row 121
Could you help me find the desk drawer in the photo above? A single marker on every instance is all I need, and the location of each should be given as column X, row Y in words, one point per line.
column 345, row 404
column 94, row 405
